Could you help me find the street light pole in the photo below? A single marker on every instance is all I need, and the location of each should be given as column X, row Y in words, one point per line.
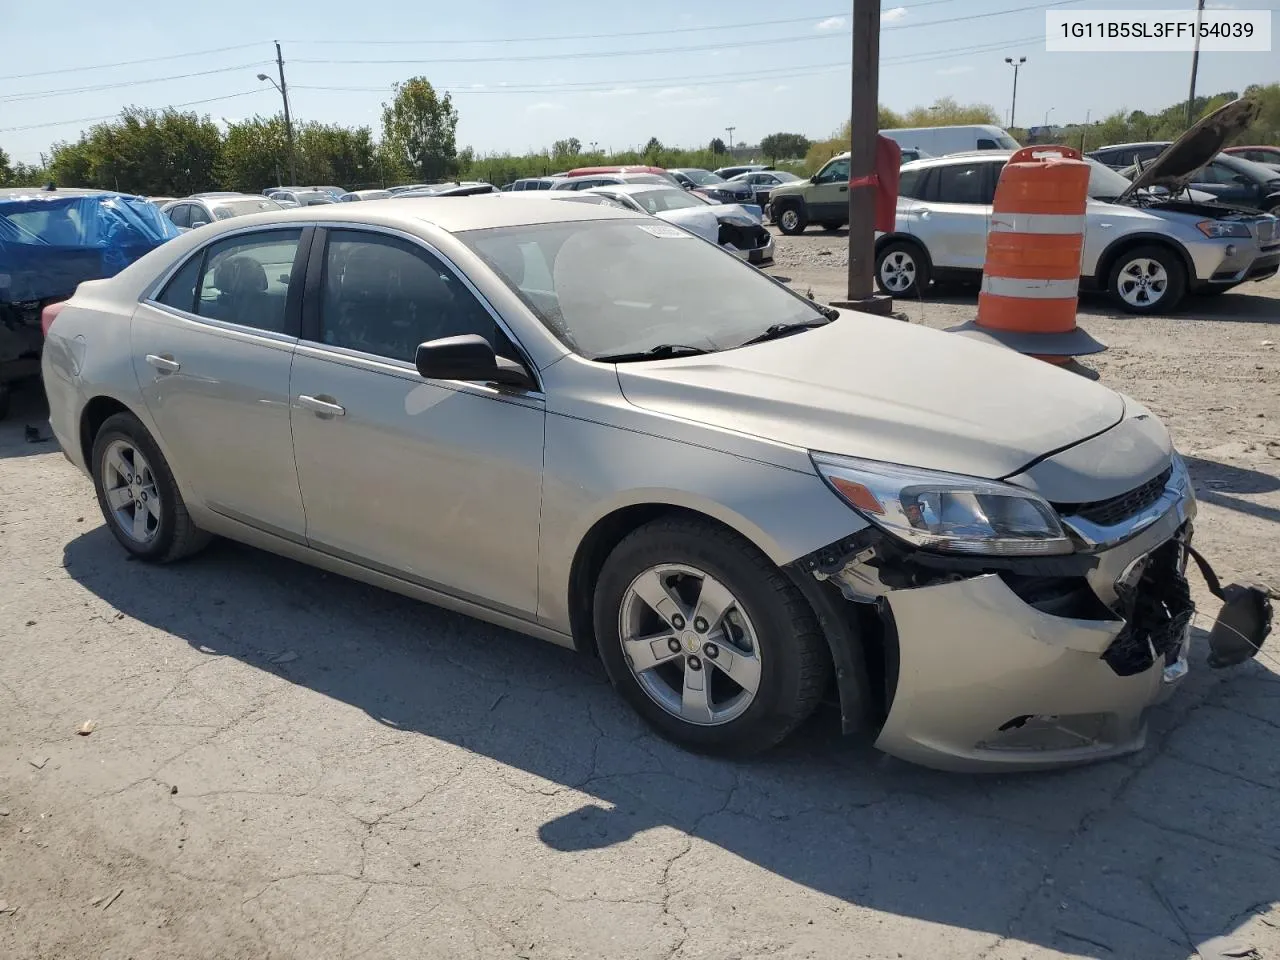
column 288, row 120
column 1013, row 108
column 729, row 130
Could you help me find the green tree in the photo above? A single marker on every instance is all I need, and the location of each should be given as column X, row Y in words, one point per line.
column 6, row 171
column 783, row 146
column 146, row 151
column 333, row 154
column 717, row 146
column 420, row 129
column 653, row 147
column 946, row 112
column 566, row 148
column 255, row 154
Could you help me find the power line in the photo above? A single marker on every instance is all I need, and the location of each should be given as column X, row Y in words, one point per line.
column 585, row 54
column 112, row 116
column 64, row 91
column 771, row 73
column 132, row 63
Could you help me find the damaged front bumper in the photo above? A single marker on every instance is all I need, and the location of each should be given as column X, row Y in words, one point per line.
column 1031, row 663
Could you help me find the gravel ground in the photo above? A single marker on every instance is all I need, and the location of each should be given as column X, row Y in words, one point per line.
column 285, row 764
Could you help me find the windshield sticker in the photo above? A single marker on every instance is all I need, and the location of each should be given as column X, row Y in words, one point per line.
column 664, row 232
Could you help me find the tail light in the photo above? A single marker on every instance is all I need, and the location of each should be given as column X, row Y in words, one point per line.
column 49, row 314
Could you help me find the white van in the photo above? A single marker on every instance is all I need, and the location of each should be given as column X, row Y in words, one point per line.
column 940, row 141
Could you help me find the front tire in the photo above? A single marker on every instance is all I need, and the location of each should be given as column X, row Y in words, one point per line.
column 707, row 639
column 792, row 219
column 1148, row 280
column 139, row 498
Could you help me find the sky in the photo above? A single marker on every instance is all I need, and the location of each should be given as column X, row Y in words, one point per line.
column 524, row 74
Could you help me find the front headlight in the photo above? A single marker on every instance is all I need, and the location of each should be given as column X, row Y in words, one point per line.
column 946, row 511
column 1223, row 228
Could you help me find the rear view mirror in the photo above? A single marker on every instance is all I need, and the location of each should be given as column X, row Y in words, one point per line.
column 468, row 357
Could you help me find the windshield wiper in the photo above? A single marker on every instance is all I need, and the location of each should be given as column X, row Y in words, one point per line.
column 662, row 351
column 786, row 329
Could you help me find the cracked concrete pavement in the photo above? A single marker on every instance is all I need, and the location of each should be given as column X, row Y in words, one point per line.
column 286, row 764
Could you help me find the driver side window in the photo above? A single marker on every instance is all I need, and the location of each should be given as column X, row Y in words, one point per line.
column 837, row 171
column 384, row 295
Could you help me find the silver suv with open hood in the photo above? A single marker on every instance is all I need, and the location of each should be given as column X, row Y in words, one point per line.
column 1145, row 242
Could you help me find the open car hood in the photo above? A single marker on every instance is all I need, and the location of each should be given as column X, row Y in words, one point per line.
column 1191, row 151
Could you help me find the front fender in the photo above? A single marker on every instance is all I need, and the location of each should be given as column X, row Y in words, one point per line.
column 594, row 470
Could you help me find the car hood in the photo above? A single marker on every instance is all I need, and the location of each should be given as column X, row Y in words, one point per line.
column 705, row 221
column 1191, row 151
column 883, row 390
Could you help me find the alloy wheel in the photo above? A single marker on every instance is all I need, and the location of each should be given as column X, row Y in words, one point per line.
column 790, row 219
column 898, row 271
column 1142, row 282
column 131, row 493
column 690, row 644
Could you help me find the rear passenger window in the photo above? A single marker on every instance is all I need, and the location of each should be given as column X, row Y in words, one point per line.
column 986, row 144
column 909, row 183
column 961, row 183
column 246, row 279
column 180, row 291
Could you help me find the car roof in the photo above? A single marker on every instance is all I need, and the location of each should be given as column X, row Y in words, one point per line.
column 452, row 214
column 36, row 193
column 1130, row 146
column 633, row 188
column 966, row 157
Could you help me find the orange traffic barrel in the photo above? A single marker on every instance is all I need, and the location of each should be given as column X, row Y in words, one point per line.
column 1031, row 277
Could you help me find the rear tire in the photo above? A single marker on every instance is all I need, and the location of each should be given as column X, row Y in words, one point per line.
column 139, row 498
column 902, row 269
column 792, row 219
column 758, row 629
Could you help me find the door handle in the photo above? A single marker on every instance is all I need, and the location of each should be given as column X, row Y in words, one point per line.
column 163, row 364
column 322, row 407
column 844, row 189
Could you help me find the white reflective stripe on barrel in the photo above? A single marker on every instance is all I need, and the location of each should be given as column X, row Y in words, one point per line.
column 1030, row 289
column 1059, row 224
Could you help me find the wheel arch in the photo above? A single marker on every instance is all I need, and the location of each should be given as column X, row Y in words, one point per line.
column 1119, row 246
column 853, row 663
column 885, row 239
column 94, row 414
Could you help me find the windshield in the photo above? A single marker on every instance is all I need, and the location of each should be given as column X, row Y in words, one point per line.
column 1105, row 183
column 608, row 287
column 1006, row 142
column 784, row 176
column 702, row 177
column 1259, row 172
column 656, row 201
column 238, row 208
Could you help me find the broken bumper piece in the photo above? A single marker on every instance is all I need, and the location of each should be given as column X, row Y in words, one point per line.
column 1024, row 664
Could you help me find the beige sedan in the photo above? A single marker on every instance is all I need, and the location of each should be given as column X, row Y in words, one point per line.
column 589, row 426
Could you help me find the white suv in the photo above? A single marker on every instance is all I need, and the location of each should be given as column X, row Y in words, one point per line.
column 1143, row 245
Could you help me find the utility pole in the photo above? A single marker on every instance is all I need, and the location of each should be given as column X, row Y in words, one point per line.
column 1013, row 107
column 730, row 130
column 1084, row 132
column 1195, row 66
column 864, row 128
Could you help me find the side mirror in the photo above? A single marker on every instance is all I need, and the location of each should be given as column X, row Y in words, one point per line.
column 199, row 223
column 468, row 357
column 814, row 178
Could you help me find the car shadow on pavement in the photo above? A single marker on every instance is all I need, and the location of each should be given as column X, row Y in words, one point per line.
column 1234, row 305
column 1217, row 483
column 1120, row 853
